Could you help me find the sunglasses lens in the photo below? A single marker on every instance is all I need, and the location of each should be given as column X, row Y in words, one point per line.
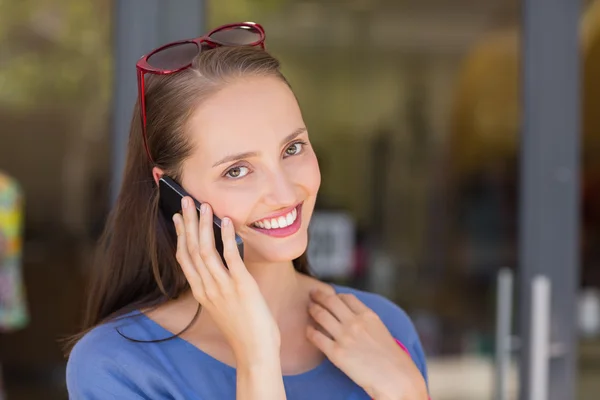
column 236, row 36
column 174, row 57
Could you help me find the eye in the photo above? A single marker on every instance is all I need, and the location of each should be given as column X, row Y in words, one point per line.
column 237, row 172
column 295, row 149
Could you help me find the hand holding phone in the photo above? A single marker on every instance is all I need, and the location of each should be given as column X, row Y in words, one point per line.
column 230, row 296
column 171, row 194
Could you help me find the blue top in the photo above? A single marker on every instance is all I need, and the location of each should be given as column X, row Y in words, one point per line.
column 105, row 365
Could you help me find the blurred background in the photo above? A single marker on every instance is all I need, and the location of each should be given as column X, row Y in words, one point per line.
column 415, row 111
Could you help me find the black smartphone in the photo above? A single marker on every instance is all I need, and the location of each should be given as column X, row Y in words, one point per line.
column 171, row 194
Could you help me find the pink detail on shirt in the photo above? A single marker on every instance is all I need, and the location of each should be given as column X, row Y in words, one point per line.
column 403, row 347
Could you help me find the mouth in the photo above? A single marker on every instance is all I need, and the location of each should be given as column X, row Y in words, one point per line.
column 281, row 226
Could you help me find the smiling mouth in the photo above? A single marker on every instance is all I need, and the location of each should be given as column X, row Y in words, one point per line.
column 281, row 226
column 279, row 222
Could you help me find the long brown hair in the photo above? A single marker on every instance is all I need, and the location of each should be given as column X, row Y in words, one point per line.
column 134, row 265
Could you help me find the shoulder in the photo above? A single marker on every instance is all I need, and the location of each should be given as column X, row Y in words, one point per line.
column 104, row 340
column 395, row 319
column 102, row 362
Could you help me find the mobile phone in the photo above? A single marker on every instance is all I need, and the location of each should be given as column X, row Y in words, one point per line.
column 171, row 194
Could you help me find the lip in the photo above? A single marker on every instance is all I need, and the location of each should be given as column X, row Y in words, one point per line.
column 280, row 213
column 288, row 230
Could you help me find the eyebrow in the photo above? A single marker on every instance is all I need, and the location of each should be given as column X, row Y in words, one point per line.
column 248, row 154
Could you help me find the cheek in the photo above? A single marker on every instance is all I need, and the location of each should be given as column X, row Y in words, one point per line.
column 233, row 202
column 308, row 175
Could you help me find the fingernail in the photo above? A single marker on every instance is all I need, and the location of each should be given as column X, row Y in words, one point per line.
column 226, row 221
column 203, row 209
column 184, row 203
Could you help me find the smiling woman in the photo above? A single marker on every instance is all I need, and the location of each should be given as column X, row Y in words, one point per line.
column 165, row 317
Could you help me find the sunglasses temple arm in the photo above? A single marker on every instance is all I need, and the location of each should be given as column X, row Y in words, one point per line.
column 142, row 105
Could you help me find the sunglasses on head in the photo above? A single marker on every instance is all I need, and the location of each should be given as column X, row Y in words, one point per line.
column 178, row 56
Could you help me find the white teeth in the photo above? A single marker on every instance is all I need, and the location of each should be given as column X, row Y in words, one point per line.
column 280, row 222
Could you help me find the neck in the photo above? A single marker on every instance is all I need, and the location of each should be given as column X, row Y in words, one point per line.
column 278, row 283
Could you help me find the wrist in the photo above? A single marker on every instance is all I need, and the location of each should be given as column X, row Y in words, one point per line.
column 400, row 394
column 259, row 379
column 258, row 359
column 400, row 389
column 381, row 394
column 259, row 370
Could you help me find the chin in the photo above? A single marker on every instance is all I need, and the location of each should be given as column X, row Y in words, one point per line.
column 274, row 252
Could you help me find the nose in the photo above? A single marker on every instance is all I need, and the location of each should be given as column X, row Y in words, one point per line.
column 280, row 190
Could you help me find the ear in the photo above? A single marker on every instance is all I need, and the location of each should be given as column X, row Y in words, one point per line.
column 157, row 173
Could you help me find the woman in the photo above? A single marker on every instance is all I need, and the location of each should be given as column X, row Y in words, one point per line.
column 223, row 122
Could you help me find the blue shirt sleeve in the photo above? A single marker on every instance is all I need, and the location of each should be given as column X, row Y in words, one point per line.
column 94, row 373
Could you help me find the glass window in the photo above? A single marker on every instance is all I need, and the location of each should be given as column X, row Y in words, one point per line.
column 55, row 87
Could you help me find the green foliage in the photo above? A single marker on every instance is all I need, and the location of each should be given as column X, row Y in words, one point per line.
column 221, row 11
column 54, row 53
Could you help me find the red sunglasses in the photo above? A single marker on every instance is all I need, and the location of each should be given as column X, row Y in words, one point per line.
column 178, row 56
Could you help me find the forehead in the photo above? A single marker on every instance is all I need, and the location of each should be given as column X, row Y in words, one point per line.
column 245, row 115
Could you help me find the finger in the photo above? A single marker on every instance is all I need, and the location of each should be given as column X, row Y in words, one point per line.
column 324, row 318
column 230, row 251
column 320, row 340
column 208, row 252
column 184, row 259
column 334, row 304
column 190, row 219
column 354, row 304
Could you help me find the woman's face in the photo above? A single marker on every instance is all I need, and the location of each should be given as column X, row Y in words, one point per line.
column 252, row 162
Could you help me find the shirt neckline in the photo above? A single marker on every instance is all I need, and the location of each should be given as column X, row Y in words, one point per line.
column 163, row 332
